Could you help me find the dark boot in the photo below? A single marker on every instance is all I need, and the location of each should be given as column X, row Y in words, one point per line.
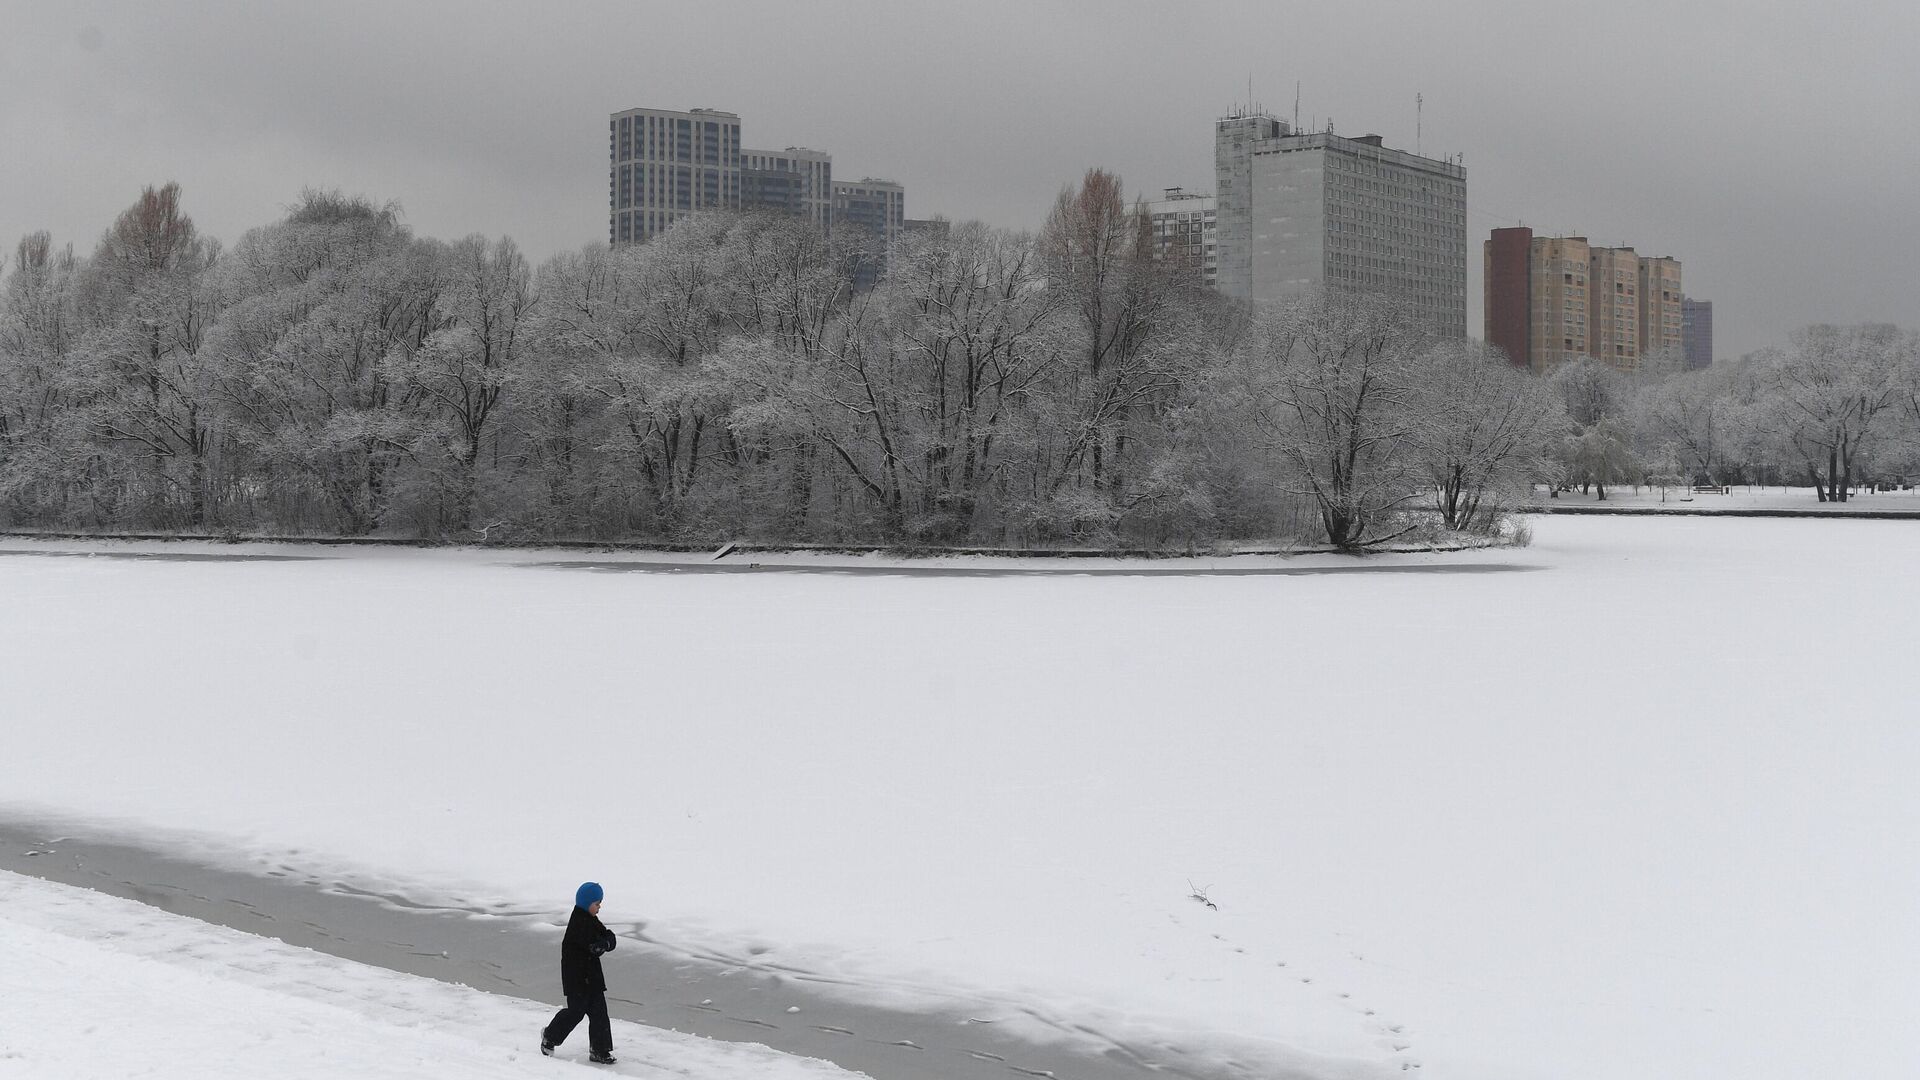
column 602, row 1057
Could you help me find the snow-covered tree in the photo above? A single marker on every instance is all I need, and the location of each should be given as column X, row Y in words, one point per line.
column 918, row 393
column 1098, row 258
column 453, row 381
column 1597, row 452
column 150, row 381
column 1487, row 432
column 42, row 455
column 1834, row 392
column 1329, row 385
column 320, row 299
column 1697, row 414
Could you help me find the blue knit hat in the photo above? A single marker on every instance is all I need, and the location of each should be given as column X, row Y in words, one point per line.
column 589, row 894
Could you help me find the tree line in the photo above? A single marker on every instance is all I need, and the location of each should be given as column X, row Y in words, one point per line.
column 1836, row 408
column 331, row 373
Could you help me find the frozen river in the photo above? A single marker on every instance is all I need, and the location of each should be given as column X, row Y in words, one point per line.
column 1646, row 807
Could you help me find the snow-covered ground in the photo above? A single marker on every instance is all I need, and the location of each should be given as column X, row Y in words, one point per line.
column 1737, row 498
column 94, row 986
column 1644, row 807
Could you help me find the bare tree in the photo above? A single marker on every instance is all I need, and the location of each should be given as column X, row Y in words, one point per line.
column 455, row 379
column 1487, row 432
column 1329, row 383
column 917, row 394
column 1700, row 415
column 1098, row 256
column 151, row 273
column 41, row 461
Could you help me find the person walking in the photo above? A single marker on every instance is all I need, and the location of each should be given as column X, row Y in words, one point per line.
column 581, row 979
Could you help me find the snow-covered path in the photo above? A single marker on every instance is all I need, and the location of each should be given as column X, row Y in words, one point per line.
column 96, row 987
column 512, row 953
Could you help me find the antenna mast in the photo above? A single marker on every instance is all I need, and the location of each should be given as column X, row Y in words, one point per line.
column 1419, row 115
column 1296, row 105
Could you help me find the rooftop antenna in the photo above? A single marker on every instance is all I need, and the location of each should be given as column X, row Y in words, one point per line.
column 1419, row 115
column 1296, row 104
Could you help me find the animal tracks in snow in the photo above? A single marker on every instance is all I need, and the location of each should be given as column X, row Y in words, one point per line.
column 1388, row 1036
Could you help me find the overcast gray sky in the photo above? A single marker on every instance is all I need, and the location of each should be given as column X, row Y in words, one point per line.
column 1769, row 146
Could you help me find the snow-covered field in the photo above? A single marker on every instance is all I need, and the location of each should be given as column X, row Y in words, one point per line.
column 97, row 987
column 1644, row 808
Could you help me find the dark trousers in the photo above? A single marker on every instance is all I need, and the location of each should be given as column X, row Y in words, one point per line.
column 592, row 1005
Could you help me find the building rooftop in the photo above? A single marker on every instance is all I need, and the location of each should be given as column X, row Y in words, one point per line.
column 718, row 114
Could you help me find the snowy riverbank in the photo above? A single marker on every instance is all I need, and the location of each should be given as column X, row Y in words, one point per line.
column 1739, row 499
column 97, row 987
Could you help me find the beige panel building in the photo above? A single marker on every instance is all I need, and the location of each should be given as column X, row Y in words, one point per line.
column 1559, row 269
column 1661, row 325
column 1614, row 306
column 1550, row 299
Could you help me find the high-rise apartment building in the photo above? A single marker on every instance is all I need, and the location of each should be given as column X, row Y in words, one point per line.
column 1552, row 298
column 1537, row 302
column 1507, row 293
column 1696, row 332
column 1301, row 211
column 794, row 181
column 663, row 165
column 878, row 206
column 1661, row 329
column 1185, row 232
column 1614, row 307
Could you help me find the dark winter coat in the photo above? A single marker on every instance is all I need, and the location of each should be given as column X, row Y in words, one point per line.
column 580, row 953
